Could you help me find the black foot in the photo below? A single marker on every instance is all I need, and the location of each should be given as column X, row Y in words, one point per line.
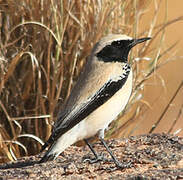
column 117, row 163
column 102, row 158
column 120, row 165
column 97, row 159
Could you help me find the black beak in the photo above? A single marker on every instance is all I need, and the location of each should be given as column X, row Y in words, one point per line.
column 137, row 41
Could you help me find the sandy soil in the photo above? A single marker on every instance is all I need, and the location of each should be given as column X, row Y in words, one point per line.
column 157, row 156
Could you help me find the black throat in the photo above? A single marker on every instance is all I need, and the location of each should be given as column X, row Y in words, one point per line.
column 117, row 51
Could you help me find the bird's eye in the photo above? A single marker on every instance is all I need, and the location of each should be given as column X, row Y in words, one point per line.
column 117, row 43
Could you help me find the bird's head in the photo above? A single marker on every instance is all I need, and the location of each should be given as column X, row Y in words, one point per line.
column 115, row 47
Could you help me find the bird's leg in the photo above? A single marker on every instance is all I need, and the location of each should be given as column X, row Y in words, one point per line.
column 117, row 163
column 97, row 157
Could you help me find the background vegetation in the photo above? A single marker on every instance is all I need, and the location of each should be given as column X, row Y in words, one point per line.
column 43, row 47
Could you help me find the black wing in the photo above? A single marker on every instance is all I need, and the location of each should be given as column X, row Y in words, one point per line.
column 104, row 94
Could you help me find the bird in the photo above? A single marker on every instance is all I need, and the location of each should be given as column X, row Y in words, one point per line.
column 101, row 93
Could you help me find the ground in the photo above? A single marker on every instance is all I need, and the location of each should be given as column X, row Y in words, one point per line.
column 154, row 156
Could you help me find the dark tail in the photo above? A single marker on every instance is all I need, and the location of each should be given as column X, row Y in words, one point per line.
column 49, row 142
column 45, row 145
column 47, row 156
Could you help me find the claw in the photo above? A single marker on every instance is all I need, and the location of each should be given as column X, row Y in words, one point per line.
column 102, row 158
column 122, row 165
column 92, row 161
column 97, row 159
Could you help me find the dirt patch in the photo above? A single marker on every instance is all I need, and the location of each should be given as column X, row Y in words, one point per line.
column 158, row 156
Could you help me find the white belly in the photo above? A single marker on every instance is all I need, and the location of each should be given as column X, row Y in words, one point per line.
column 105, row 114
column 98, row 120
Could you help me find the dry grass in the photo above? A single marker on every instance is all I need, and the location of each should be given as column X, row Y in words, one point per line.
column 43, row 48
